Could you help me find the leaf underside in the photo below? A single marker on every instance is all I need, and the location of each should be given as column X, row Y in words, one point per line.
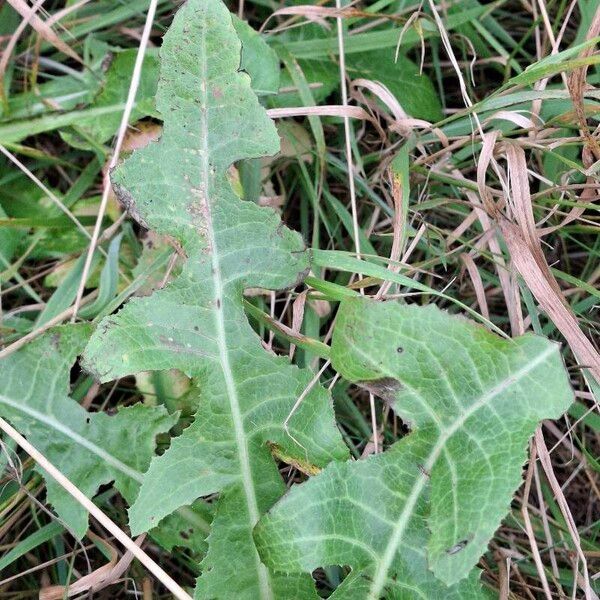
column 91, row 449
column 179, row 187
column 417, row 517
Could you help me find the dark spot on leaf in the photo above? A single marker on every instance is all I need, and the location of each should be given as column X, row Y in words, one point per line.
column 457, row 547
column 55, row 340
column 399, row 349
column 126, row 199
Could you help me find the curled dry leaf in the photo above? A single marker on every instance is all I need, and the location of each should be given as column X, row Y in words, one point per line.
column 527, row 256
column 45, row 31
column 87, row 582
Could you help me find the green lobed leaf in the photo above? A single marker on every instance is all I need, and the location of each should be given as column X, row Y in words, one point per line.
column 91, row 449
column 258, row 59
column 179, row 186
column 419, row 516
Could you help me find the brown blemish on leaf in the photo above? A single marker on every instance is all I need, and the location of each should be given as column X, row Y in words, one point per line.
column 200, row 213
column 126, row 199
column 424, row 471
column 300, row 278
column 107, row 61
column 386, row 388
column 55, row 340
column 302, row 466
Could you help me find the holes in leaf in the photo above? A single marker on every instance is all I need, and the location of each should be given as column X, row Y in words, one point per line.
column 76, row 374
column 328, row 579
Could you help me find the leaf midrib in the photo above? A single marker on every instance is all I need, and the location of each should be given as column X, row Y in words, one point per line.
column 232, row 394
column 381, row 573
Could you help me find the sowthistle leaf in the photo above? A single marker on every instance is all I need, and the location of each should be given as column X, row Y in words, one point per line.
column 91, row 449
column 416, row 518
column 179, row 187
